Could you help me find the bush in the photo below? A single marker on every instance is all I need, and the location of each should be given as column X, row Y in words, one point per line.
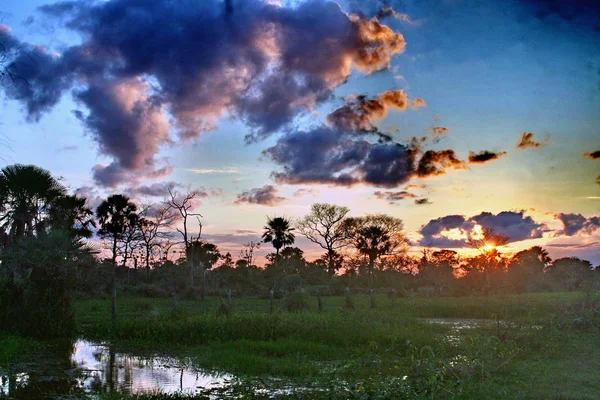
column 294, row 302
column 35, row 300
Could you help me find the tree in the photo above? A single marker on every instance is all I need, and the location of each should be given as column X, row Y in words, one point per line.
column 526, row 270
column 489, row 266
column 278, row 232
column 26, row 195
column 183, row 207
column 115, row 215
column 247, row 253
column 572, row 273
column 151, row 222
column 36, row 299
column 205, row 255
column 323, row 227
column 375, row 236
column 70, row 214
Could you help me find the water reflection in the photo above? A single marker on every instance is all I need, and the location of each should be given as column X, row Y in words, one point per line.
column 95, row 368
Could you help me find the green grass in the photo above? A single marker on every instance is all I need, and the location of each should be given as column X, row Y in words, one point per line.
column 548, row 347
column 13, row 348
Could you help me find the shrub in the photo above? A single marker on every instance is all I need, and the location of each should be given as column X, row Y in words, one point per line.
column 294, row 302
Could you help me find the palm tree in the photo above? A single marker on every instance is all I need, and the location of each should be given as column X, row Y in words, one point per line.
column 26, row 195
column 278, row 232
column 115, row 214
column 70, row 214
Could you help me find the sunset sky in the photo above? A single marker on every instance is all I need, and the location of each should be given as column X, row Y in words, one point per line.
column 445, row 113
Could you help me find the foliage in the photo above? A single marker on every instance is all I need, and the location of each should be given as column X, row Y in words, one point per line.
column 35, row 296
column 278, row 232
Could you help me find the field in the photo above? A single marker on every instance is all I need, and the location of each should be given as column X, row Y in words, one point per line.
column 533, row 346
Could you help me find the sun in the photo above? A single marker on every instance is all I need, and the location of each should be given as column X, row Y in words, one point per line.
column 489, row 247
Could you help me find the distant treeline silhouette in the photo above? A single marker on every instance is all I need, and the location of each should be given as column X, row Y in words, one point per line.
column 51, row 245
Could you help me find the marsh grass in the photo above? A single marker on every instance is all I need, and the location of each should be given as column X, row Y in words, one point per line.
column 524, row 348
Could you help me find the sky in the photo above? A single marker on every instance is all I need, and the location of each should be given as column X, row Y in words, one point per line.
column 448, row 114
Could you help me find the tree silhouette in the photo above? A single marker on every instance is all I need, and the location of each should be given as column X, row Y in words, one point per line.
column 278, row 232
column 375, row 236
column 115, row 215
column 26, row 196
column 204, row 255
column 182, row 205
column 323, row 227
column 70, row 214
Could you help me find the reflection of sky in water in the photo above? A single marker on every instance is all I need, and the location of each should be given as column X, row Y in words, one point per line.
column 107, row 370
column 100, row 369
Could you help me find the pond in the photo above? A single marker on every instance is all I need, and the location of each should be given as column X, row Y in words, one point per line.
column 88, row 367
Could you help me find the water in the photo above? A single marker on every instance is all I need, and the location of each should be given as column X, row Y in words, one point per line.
column 88, row 367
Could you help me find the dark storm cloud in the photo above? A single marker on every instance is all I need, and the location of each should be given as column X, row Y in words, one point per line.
column 330, row 156
column 266, row 196
column 594, row 155
column 422, row 202
column 484, row 156
column 526, row 141
column 259, row 62
column 576, row 223
column 514, row 225
column 435, row 162
column 394, row 196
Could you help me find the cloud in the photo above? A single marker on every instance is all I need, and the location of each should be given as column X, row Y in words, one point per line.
column 93, row 200
column 330, row 156
column 438, row 131
column 526, row 141
column 387, row 12
column 484, row 156
column 160, row 189
column 423, row 201
column 417, row 103
column 333, row 156
column 67, row 148
column 213, row 171
column 304, row 192
column 574, row 224
column 453, row 231
column 127, row 124
column 266, row 196
column 434, row 163
column 394, row 196
column 259, row 62
column 359, row 111
column 594, row 155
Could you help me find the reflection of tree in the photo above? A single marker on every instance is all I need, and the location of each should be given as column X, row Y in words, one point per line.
column 56, row 377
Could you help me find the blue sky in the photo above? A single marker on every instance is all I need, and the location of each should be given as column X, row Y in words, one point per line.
column 487, row 71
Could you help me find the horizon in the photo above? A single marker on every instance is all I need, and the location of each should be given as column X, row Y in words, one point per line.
column 450, row 116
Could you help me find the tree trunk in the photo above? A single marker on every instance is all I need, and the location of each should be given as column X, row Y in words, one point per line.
column 203, row 283
column 372, row 284
column 114, row 303
column 331, row 256
column 114, row 250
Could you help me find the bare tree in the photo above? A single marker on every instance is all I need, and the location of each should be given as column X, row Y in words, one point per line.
column 183, row 207
column 151, row 224
column 323, row 227
column 247, row 253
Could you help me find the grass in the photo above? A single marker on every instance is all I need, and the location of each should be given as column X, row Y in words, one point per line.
column 12, row 349
column 538, row 346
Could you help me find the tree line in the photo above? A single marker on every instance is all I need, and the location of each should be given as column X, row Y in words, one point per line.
column 49, row 252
